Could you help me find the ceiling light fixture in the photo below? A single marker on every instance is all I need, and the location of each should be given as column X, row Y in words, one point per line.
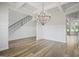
column 43, row 17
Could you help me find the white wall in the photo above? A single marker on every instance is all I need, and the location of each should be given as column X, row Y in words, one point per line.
column 78, row 38
column 3, row 26
column 54, row 29
column 39, row 31
column 27, row 30
column 15, row 16
column 55, row 33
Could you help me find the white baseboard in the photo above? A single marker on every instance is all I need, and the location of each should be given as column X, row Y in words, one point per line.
column 1, row 49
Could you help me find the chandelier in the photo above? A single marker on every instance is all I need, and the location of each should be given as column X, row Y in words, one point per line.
column 43, row 17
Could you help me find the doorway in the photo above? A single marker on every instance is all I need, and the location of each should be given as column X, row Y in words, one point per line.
column 72, row 30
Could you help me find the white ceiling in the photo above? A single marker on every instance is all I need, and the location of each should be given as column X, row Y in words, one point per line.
column 38, row 5
column 33, row 7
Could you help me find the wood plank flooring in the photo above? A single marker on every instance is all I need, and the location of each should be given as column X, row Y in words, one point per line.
column 29, row 47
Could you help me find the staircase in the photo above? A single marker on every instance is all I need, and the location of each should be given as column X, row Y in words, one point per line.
column 19, row 23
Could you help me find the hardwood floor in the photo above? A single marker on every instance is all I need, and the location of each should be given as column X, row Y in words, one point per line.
column 29, row 47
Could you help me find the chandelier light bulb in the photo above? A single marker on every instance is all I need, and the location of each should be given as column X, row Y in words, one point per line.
column 43, row 17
